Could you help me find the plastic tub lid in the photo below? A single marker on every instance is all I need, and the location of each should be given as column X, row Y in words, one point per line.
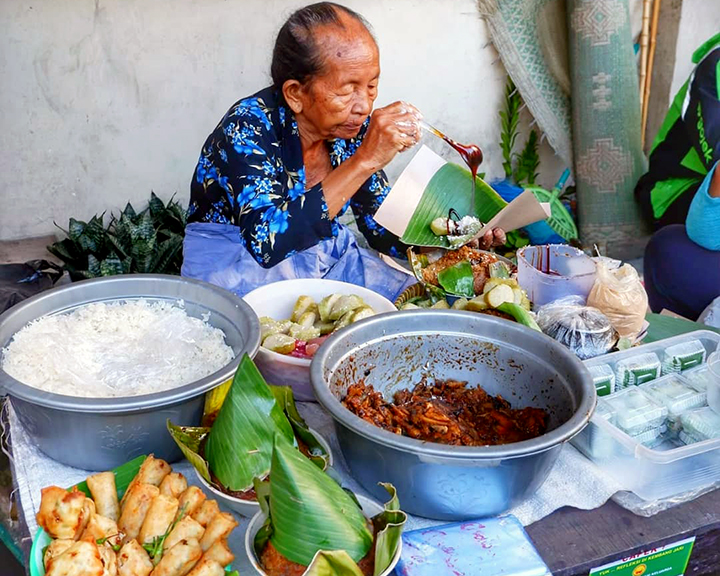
column 636, row 411
column 676, row 394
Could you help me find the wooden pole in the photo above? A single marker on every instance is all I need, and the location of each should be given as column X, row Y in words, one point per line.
column 651, row 62
column 644, row 45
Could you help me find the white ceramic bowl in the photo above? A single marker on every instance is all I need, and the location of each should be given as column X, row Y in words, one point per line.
column 249, row 508
column 369, row 507
column 277, row 301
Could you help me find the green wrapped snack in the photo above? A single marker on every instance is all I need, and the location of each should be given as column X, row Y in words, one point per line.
column 683, row 356
column 603, row 378
column 636, row 411
column 637, row 370
column 701, row 424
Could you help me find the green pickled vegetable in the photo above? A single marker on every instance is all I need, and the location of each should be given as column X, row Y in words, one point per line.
column 460, row 304
column 362, row 313
column 326, row 305
column 300, row 332
column 302, row 305
column 441, row 305
column 345, row 304
column 521, row 315
column 439, row 226
column 307, row 319
column 280, row 343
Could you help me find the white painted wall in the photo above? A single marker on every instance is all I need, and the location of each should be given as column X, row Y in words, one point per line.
column 699, row 21
column 102, row 101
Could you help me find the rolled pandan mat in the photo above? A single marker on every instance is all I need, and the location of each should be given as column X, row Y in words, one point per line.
column 607, row 147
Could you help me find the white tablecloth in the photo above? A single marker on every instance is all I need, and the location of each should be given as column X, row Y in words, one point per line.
column 574, row 481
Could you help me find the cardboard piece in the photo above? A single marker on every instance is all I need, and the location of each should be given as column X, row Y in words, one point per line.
column 522, row 211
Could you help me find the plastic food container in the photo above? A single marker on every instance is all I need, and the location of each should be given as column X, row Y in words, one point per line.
column 675, row 393
column 713, row 382
column 277, row 300
column 636, row 412
column 664, row 469
column 701, row 424
column 551, row 272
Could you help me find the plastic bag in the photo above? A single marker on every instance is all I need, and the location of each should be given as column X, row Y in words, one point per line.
column 711, row 314
column 620, row 295
column 20, row 281
column 583, row 329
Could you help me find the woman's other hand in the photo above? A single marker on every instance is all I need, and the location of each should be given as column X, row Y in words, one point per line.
column 491, row 239
column 392, row 129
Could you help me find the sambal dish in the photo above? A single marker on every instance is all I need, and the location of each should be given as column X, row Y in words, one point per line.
column 447, row 412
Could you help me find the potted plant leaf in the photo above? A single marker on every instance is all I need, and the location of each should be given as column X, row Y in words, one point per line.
column 309, row 521
column 237, row 448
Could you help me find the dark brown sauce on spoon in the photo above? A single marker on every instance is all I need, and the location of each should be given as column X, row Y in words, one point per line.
column 470, row 153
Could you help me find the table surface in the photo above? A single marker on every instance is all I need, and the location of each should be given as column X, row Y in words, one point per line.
column 571, row 541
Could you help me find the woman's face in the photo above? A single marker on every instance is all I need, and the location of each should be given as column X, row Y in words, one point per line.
column 336, row 102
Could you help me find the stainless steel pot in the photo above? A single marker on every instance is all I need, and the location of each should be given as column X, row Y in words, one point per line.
column 393, row 351
column 102, row 433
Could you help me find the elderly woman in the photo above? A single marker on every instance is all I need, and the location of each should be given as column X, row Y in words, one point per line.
column 284, row 164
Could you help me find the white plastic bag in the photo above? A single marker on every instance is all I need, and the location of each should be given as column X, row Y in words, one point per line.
column 711, row 314
column 620, row 295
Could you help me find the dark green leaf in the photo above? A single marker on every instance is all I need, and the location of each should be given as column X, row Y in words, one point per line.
column 157, row 207
column 458, row 279
column 165, row 260
column 189, row 439
column 75, row 229
column 111, row 267
column 93, row 266
column 239, row 446
column 129, row 211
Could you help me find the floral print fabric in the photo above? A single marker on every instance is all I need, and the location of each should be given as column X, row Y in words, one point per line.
column 251, row 174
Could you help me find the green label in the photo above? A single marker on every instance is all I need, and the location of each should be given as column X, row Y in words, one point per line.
column 670, row 560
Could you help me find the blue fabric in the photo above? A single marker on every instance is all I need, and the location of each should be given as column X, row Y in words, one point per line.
column 216, row 253
column 680, row 275
column 703, row 219
column 251, row 174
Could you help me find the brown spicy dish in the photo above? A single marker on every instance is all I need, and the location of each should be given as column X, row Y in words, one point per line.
column 275, row 564
column 479, row 261
column 447, row 412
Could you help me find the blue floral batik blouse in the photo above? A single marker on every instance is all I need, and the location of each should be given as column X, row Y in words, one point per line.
column 251, row 174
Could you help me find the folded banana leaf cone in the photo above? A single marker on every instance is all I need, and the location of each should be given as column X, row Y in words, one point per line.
column 238, row 447
column 311, row 521
column 467, row 279
column 450, row 189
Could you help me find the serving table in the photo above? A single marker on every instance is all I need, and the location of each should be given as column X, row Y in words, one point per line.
column 571, row 541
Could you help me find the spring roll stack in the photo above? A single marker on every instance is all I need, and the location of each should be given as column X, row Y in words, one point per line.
column 161, row 527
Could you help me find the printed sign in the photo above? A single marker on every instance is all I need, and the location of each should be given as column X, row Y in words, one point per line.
column 669, row 560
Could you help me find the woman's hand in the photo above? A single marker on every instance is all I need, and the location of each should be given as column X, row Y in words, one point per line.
column 392, row 129
column 491, row 239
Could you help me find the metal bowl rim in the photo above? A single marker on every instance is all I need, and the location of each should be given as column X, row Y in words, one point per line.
column 142, row 402
column 354, row 423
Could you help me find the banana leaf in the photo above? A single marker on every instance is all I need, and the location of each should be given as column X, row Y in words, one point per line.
column 314, row 522
column 251, row 415
column 450, row 187
column 124, row 474
column 458, row 280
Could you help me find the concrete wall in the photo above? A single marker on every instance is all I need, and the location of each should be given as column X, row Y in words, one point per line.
column 699, row 21
column 105, row 100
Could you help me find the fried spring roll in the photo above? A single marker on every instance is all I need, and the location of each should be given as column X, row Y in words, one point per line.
column 158, row 518
column 99, row 527
column 219, row 552
column 104, row 493
column 109, row 560
column 207, row 567
column 54, row 550
column 179, row 559
column 174, row 484
column 152, row 471
column 206, row 512
column 62, row 514
column 133, row 560
column 80, row 559
column 191, row 500
column 219, row 527
column 139, row 498
column 184, row 530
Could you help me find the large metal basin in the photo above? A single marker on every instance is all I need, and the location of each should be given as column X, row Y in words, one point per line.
column 102, row 433
column 393, row 351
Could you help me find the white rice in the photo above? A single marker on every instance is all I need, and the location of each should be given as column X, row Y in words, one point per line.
column 116, row 349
